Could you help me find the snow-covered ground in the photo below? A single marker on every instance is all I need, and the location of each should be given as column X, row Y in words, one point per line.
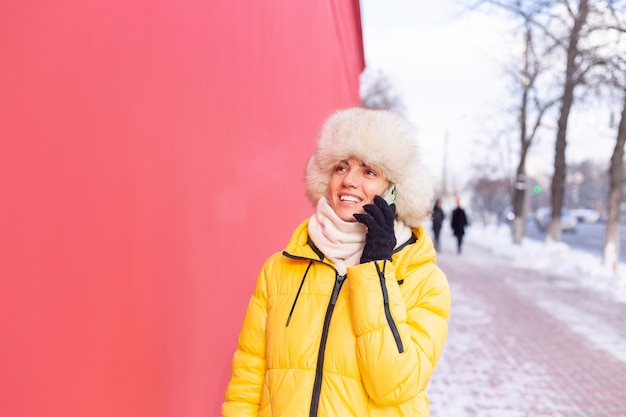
column 485, row 373
column 554, row 257
column 469, row 381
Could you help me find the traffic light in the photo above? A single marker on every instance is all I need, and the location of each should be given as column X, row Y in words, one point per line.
column 537, row 189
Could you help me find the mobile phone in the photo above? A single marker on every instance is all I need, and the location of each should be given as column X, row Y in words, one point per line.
column 390, row 194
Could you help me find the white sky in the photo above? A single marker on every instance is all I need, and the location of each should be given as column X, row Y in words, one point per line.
column 448, row 66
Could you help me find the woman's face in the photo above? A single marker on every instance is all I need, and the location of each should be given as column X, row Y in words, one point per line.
column 352, row 185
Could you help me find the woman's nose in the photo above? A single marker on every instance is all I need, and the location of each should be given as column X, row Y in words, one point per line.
column 350, row 180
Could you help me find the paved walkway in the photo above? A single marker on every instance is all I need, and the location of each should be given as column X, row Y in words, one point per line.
column 524, row 343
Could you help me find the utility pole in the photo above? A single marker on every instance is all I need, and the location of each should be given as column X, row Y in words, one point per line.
column 444, row 169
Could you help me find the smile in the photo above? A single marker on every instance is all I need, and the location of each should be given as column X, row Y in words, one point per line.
column 350, row 198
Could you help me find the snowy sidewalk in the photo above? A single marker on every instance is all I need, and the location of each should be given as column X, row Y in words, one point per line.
column 527, row 342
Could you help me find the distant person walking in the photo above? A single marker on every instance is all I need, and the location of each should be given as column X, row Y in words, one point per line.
column 437, row 218
column 458, row 223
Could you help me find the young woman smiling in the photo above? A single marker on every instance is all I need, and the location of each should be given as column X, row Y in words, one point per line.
column 351, row 318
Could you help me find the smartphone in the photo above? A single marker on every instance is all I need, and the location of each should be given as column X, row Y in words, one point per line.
column 390, row 194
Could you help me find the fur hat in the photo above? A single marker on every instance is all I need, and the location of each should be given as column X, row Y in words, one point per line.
column 383, row 140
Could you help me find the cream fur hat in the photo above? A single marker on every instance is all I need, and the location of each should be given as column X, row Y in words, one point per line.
column 383, row 140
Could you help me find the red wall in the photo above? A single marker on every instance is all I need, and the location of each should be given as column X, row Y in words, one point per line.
column 151, row 157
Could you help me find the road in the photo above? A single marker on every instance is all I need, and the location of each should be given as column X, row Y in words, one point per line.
column 588, row 237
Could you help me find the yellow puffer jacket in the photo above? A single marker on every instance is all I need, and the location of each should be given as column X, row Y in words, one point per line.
column 315, row 343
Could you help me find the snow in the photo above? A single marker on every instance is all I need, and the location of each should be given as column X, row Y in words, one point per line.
column 484, row 372
column 469, row 381
column 554, row 257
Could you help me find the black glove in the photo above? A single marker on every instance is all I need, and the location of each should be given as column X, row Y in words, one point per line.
column 380, row 238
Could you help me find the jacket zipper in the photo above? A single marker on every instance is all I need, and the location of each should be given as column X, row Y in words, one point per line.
column 317, row 385
column 390, row 320
column 302, row 258
column 298, row 293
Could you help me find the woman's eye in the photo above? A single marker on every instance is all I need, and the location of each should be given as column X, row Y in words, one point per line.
column 370, row 172
column 340, row 168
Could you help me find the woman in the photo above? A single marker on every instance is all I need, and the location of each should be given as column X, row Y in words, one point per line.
column 351, row 318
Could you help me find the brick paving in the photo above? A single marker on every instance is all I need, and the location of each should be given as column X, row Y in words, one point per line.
column 527, row 343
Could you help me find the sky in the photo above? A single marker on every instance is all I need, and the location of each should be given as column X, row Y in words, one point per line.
column 448, row 65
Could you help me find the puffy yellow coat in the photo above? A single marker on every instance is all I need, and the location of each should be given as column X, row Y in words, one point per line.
column 315, row 343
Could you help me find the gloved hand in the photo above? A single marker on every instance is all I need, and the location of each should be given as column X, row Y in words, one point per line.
column 380, row 238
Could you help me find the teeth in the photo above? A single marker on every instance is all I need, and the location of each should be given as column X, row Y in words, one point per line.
column 349, row 198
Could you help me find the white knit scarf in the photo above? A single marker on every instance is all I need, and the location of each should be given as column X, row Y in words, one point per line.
column 341, row 241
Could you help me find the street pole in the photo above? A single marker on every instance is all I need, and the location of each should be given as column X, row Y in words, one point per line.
column 444, row 179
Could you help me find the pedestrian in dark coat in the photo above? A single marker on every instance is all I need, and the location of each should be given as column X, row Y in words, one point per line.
column 437, row 218
column 458, row 223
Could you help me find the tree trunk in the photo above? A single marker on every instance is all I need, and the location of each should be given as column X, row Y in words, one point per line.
column 521, row 183
column 567, row 101
column 519, row 200
column 610, row 257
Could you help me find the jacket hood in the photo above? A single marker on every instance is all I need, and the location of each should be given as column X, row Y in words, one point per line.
column 383, row 140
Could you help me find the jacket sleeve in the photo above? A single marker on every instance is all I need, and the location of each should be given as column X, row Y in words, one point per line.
column 243, row 393
column 400, row 334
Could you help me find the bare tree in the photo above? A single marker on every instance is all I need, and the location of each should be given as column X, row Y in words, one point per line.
column 533, row 101
column 489, row 197
column 616, row 77
column 568, row 30
column 616, row 171
column 574, row 72
column 613, row 77
column 528, row 129
column 378, row 92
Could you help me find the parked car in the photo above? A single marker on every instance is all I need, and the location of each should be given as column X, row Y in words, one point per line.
column 585, row 215
column 543, row 216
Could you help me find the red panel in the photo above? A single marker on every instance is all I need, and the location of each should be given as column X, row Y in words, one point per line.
column 151, row 157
